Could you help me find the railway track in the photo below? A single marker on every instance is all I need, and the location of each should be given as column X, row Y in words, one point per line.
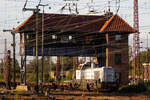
column 71, row 95
column 48, row 87
column 59, row 94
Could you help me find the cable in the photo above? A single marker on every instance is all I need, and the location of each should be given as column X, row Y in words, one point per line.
column 25, row 4
column 39, row 2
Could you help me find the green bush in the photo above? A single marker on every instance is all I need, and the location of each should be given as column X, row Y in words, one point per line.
column 31, row 77
column 2, row 77
column 148, row 88
column 69, row 77
column 135, row 88
column 46, row 75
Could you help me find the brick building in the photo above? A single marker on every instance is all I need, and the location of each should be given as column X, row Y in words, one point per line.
column 104, row 37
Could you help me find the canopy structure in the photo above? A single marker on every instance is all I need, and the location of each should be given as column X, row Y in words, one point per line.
column 71, row 35
column 105, row 37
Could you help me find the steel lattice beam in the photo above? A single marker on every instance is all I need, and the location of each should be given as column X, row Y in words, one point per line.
column 136, row 43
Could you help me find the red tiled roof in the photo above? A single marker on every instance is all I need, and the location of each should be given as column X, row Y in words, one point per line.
column 21, row 25
column 116, row 23
column 77, row 23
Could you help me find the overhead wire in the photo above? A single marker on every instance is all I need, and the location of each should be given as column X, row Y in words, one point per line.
column 50, row 34
column 39, row 3
column 33, row 40
column 25, row 4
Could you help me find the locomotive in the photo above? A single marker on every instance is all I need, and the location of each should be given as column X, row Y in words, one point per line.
column 93, row 77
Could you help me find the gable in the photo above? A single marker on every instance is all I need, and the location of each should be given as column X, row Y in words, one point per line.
column 117, row 24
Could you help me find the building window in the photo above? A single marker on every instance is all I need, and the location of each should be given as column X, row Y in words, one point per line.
column 27, row 36
column 117, row 37
column 70, row 37
column 118, row 59
column 54, row 37
column 64, row 39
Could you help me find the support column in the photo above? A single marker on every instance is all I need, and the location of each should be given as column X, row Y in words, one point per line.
column 36, row 67
column 75, row 61
column 22, row 70
column 107, row 50
column 42, row 50
column 62, row 67
column 25, row 71
column 58, row 69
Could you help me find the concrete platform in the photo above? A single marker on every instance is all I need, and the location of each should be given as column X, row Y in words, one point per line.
column 21, row 88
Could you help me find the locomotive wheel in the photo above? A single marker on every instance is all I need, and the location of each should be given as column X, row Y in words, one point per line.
column 75, row 84
column 92, row 85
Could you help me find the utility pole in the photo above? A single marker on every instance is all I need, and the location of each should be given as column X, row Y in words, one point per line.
column 37, row 70
column 136, row 43
column 24, row 76
column 42, row 47
column 14, row 55
column 5, row 53
column 5, row 50
column 36, row 33
column 147, row 61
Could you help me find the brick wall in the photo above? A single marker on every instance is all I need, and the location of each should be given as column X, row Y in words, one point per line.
column 119, row 47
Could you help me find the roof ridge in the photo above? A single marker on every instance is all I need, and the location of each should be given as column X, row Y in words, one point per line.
column 107, row 23
column 23, row 23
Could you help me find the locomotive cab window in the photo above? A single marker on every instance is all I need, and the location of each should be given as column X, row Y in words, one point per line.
column 118, row 59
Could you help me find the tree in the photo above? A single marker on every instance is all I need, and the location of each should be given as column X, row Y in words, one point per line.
column 67, row 63
column 143, row 55
column 17, row 69
column 48, row 65
column 17, row 66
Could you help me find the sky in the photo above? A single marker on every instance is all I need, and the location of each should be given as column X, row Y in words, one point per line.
column 11, row 15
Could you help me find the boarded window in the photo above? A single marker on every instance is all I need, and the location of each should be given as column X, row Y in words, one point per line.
column 65, row 39
column 118, row 59
column 117, row 37
column 88, row 39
